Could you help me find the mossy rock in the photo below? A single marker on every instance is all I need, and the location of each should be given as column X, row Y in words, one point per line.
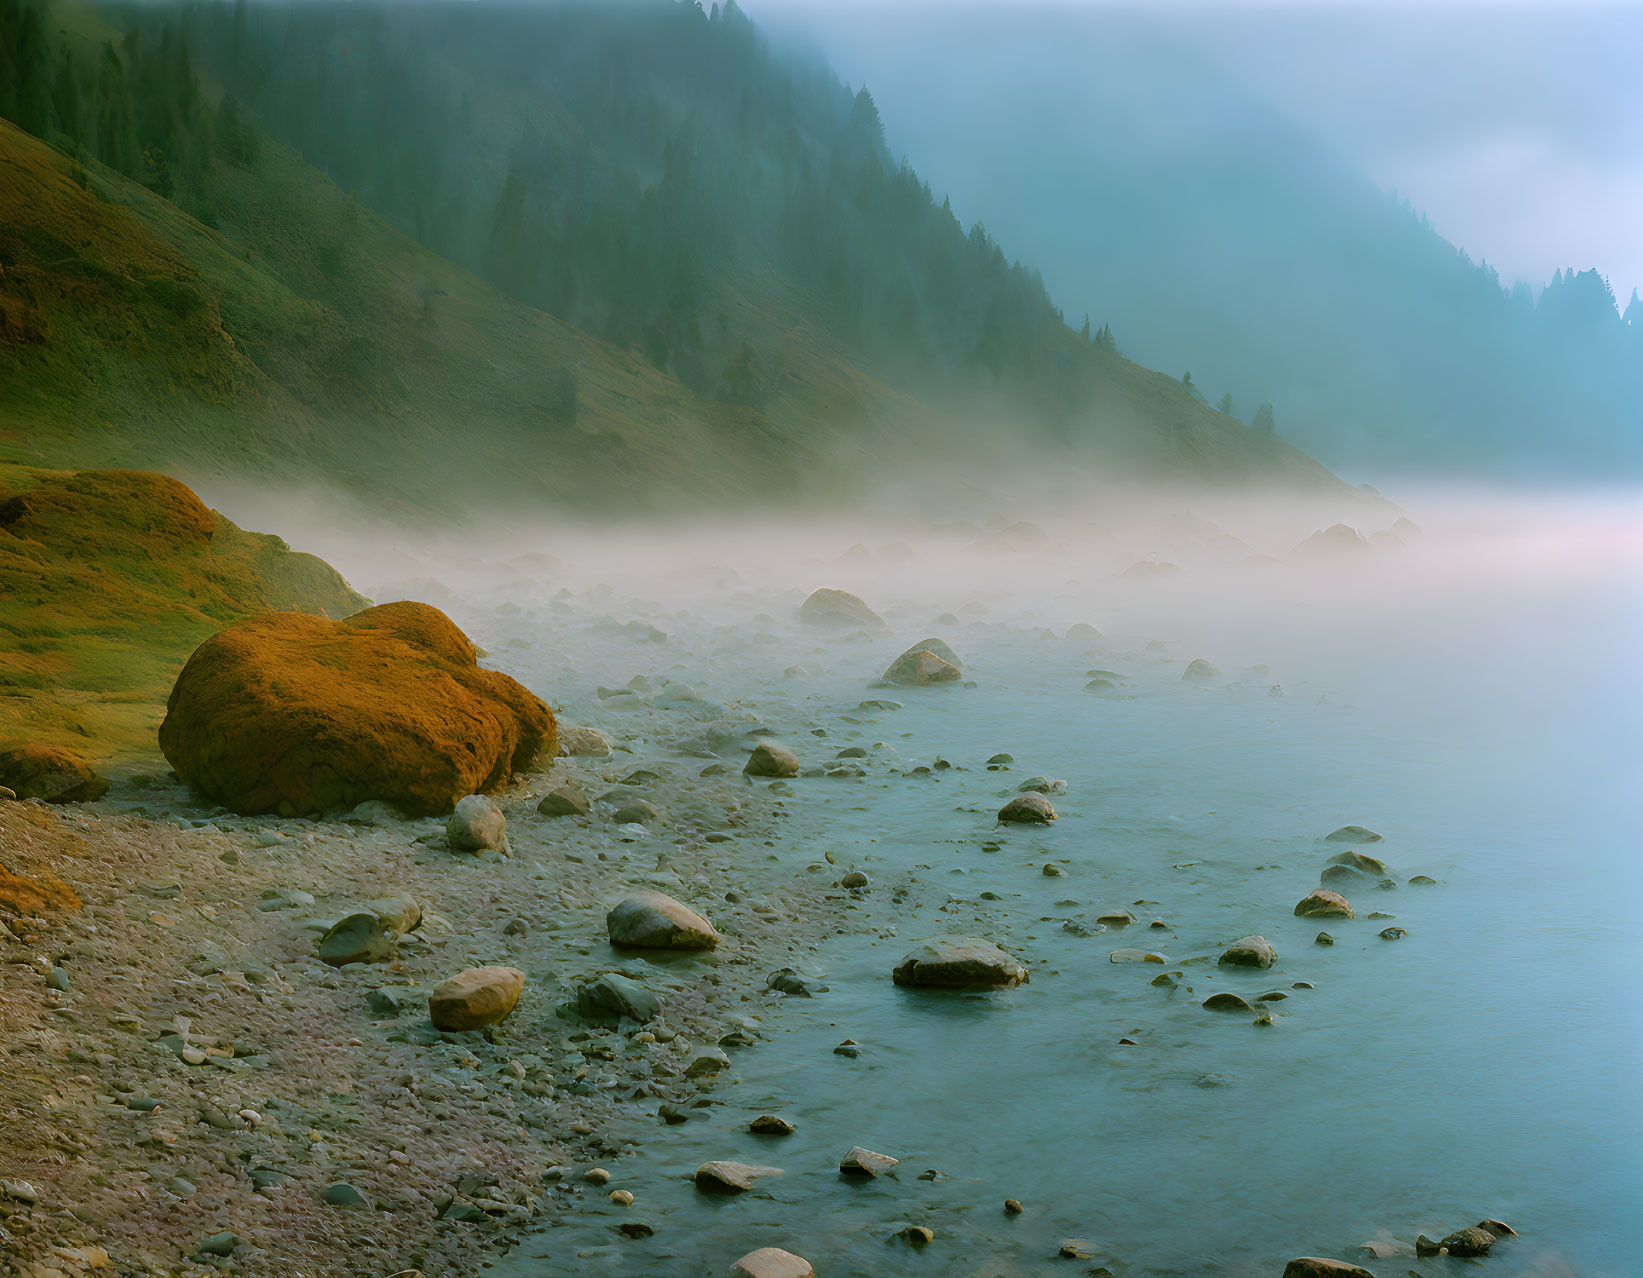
column 298, row 714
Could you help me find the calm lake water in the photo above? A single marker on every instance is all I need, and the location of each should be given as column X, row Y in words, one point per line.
column 1472, row 696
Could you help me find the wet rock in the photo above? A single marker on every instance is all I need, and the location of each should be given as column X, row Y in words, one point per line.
column 1226, row 1001
column 958, row 961
column 916, row 1235
column 566, row 800
column 1115, row 918
column 852, row 752
column 343, row 1194
column 849, row 1048
column 222, row 1244
column 785, row 980
column 1360, row 862
column 1352, row 834
column 1043, row 785
column 855, row 881
column 475, row 998
column 596, row 1176
column 645, row 919
column 1100, row 684
column 919, row 665
column 1499, row 1228
column 1052, row 871
column 731, row 1178
column 477, row 823
column 1393, row 934
column 358, row 938
column 614, row 996
column 583, row 742
column 864, row 1162
column 295, row 713
column 1082, row 630
column 639, row 812
column 1028, row 808
column 391, row 1000
column 771, row 1125
column 1248, row 951
column 1078, row 927
column 1012, row 1207
column 1323, row 938
column 1200, row 671
column 1321, row 903
column 839, row 610
column 1342, row 876
column 771, row 760
column 621, row 1197
column 1136, row 956
column 706, row 1062
column 636, row 1229
column 1321, row 1267
column 1423, row 880
column 771, row 1262
column 1463, row 1243
column 51, row 773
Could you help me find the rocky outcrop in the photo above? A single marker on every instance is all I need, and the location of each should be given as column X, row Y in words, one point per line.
column 650, row 920
column 1321, row 903
column 838, row 610
column 475, row 998
column 959, row 961
column 298, row 714
column 50, row 773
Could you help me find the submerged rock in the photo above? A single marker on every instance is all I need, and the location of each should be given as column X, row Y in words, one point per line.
column 645, row 919
column 50, row 773
column 475, row 998
column 1322, row 1267
column 838, row 610
column 1249, row 951
column 864, row 1162
column 731, row 1178
column 1475, row 1240
column 1228, row 1002
column 1369, row 865
column 476, row 824
column 958, row 961
column 1352, row 834
column 1200, row 671
column 1029, row 808
column 296, row 714
column 1321, row 903
column 771, row 1262
column 771, row 760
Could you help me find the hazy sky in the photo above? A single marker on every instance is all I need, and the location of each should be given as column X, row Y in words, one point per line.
column 1517, row 128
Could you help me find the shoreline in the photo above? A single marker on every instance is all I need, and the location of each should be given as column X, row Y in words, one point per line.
column 456, row 1142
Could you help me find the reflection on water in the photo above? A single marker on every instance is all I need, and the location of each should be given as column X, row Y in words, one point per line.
column 1471, row 695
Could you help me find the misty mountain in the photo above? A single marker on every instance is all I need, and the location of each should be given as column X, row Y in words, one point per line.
column 1218, row 235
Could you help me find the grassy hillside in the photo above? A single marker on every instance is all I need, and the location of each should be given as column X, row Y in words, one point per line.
column 108, row 580
column 283, row 330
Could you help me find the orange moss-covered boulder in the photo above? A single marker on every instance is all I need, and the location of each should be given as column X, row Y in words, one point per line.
column 296, row 714
column 50, row 773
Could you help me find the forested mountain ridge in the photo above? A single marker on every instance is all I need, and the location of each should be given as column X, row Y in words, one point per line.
column 739, row 292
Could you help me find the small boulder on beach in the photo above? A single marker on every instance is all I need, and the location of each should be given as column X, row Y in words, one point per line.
column 645, row 919
column 475, row 998
column 838, row 610
column 476, row 824
column 50, row 773
column 959, row 961
column 771, row 760
column 1321, row 903
column 583, row 742
column 566, row 800
column 1029, row 808
column 614, row 996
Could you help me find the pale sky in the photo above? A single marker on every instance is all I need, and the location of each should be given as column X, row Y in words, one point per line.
column 1517, row 128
